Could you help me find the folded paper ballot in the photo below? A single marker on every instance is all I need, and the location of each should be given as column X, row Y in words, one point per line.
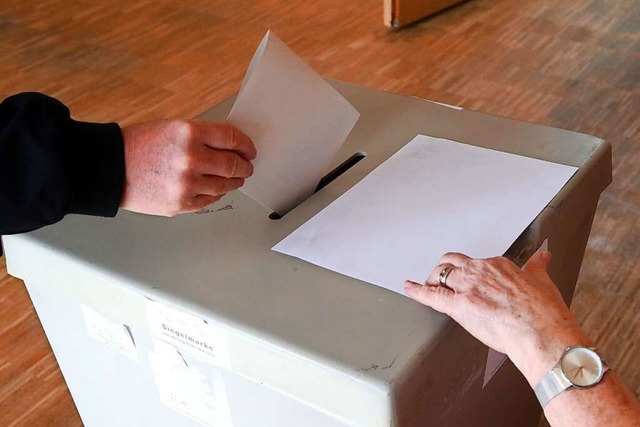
column 432, row 196
column 297, row 121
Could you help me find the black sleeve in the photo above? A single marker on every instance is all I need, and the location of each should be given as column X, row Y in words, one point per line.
column 52, row 165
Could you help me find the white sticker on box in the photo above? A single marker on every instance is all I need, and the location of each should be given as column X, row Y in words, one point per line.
column 189, row 333
column 188, row 390
column 114, row 334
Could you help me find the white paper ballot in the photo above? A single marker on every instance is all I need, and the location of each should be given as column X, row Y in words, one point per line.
column 297, row 121
column 432, row 196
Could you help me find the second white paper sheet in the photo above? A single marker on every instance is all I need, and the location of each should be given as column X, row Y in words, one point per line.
column 432, row 196
column 297, row 120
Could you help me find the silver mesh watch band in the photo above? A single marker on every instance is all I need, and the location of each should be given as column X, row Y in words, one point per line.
column 551, row 385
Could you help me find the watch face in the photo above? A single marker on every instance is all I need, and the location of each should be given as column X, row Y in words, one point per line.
column 582, row 366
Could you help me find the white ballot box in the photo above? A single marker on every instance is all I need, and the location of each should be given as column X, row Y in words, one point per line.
column 193, row 320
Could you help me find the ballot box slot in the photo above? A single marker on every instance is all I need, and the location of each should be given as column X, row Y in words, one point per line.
column 331, row 176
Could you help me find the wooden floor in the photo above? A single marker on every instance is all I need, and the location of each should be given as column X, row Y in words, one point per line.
column 570, row 64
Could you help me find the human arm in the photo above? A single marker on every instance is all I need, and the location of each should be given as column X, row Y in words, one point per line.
column 521, row 313
column 52, row 165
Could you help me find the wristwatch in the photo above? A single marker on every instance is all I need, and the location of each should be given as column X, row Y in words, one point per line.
column 579, row 367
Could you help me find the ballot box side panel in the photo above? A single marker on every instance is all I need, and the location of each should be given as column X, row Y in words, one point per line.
column 308, row 381
column 424, row 398
column 506, row 400
column 108, row 389
column 568, row 252
column 111, row 390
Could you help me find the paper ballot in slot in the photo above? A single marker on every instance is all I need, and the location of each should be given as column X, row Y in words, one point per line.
column 297, row 121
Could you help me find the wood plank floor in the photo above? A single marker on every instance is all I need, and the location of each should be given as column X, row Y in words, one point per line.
column 570, row 64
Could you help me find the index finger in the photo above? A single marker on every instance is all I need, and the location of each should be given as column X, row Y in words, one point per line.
column 224, row 137
column 436, row 297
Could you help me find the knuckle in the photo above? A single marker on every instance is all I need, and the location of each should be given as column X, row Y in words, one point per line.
column 478, row 264
column 184, row 162
column 464, row 272
column 490, row 264
column 182, row 130
column 476, row 261
column 502, row 261
column 501, row 266
column 190, row 162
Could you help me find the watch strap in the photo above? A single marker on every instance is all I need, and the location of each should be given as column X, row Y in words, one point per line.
column 551, row 385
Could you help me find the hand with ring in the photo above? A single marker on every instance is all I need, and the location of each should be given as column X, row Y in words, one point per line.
column 515, row 311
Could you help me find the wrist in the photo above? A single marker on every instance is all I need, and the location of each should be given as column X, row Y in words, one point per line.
column 539, row 354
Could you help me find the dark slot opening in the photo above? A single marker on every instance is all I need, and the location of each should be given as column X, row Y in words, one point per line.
column 331, row 176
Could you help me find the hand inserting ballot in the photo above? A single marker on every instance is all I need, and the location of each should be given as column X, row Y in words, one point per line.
column 178, row 166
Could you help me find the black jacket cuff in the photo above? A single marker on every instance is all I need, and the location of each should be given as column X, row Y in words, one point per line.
column 96, row 159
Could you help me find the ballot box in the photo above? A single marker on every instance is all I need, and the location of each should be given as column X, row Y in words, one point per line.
column 193, row 320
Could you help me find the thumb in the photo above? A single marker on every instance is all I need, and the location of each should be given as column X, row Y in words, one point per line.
column 538, row 263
